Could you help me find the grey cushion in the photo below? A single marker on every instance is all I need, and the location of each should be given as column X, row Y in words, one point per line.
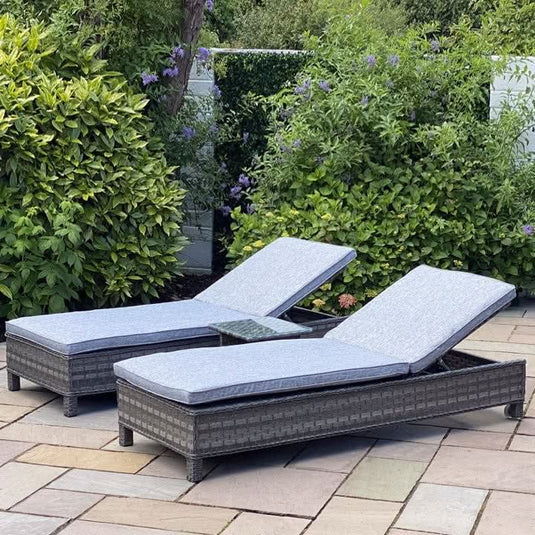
column 72, row 333
column 278, row 276
column 424, row 314
column 204, row 375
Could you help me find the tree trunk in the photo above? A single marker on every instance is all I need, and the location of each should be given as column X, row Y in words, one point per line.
column 191, row 26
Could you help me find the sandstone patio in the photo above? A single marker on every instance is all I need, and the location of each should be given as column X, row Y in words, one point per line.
column 472, row 474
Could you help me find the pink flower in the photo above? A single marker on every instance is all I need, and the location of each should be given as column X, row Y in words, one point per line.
column 347, row 300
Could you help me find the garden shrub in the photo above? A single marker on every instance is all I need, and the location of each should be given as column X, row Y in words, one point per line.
column 446, row 14
column 244, row 79
column 510, row 26
column 385, row 145
column 282, row 24
column 88, row 213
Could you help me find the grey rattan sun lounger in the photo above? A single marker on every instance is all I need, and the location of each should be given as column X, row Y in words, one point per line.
column 392, row 361
column 73, row 353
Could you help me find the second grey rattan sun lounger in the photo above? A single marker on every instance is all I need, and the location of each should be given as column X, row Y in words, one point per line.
column 73, row 353
column 392, row 361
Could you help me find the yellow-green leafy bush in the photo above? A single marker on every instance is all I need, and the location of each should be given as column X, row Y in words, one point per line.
column 89, row 214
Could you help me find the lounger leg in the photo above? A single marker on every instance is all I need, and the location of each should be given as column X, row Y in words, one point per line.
column 514, row 411
column 13, row 382
column 194, row 471
column 126, row 436
column 70, row 405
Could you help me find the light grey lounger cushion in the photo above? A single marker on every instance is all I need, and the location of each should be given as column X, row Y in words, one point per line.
column 424, row 314
column 204, row 375
column 278, row 276
column 73, row 333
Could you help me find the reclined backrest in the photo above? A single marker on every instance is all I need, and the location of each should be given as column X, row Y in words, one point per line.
column 424, row 314
column 278, row 276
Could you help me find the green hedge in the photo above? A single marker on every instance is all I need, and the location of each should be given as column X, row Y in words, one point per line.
column 88, row 213
column 244, row 79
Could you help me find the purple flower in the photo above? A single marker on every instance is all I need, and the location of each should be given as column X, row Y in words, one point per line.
column 148, row 78
column 435, row 45
column 188, row 132
column 244, row 180
column 372, row 61
column 214, row 129
column 223, row 167
column 320, row 159
column 216, row 91
column 324, row 86
column 225, row 210
column 302, row 89
column 209, row 5
column 297, row 143
column 365, row 100
column 528, row 230
column 177, row 53
column 246, row 137
column 171, row 72
column 235, row 192
column 203, row 54
column 394, row 60
column 250, row 208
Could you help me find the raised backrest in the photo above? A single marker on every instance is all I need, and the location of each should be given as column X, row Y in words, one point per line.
column 424, row 314
column 278, row 276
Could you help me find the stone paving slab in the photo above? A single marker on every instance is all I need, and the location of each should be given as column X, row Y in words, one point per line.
column 483, row 469
column 95, row 412
column 523, row 443
column 10, row 413
column 141, row 445
column 486, row 440
column 383, row 479
column 270, row 489
column 430, row 434
column 56, row 435
column 82, row 527
column 442, row 509
column 161, row 515
column 10, row 449
column 351, row 516
column 482, row 420
column 19, row 480
column 527, row 427
column 508, row 513
column 19, row 524
column 173, row 466
column 60, row 503
column 26, row 398
column 493, row 332
column 339, row 454
column 405, row 451
column 258, row 524
column 111, row 461
column 129, row 485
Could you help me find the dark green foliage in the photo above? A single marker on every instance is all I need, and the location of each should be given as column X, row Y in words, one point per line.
column 385, row 145
column 446, row 13
column 243, row 78
column 88, row 213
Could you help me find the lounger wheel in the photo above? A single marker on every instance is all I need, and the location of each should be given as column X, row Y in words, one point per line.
column 514, row 411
